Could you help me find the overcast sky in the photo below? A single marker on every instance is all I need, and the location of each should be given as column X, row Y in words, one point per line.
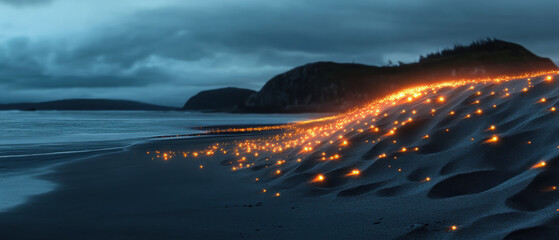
column 164, row 51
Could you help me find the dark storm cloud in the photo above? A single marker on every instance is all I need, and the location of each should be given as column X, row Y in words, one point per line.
column 23, row 3
column 245, row 43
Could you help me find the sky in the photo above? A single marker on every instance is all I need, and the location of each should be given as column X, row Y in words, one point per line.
column 165, row 51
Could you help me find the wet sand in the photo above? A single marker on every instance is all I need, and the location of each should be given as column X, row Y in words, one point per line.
column 127, row 195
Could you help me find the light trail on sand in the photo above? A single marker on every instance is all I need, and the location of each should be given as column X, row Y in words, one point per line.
column 324, row 139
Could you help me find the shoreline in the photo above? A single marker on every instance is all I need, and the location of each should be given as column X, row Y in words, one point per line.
column 465, row 166
column 158, row 193
column 128, row 195
column 40, row 164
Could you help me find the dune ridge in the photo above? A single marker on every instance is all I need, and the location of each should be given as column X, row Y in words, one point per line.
column 487, row 140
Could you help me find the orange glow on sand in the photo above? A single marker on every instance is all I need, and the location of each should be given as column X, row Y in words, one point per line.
column 354, row 172
column 291, row 145
column 539, row 165
column 493, row 139
column 319, row 178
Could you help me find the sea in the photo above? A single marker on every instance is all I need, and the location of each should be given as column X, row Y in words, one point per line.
column 32, row 142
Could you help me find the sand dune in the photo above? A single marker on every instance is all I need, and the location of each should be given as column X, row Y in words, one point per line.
column 450, row 146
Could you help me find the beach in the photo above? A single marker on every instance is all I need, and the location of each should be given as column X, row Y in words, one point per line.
column 127, row 195
column 474, row 160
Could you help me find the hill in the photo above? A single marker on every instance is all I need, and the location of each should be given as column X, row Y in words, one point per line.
column 329, row 86
column 223, row 99
column 85, row 104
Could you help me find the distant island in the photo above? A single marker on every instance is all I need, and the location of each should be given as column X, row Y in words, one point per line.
column 333, row 87
column 222, row 99
column 86, row 104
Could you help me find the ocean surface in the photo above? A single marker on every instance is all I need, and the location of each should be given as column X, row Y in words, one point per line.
column 31, row 142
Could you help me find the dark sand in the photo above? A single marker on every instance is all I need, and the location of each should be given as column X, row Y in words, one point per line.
column 489, row 190
column 128, row 195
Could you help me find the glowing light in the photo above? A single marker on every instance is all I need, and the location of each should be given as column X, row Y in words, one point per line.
column 441, row 99
column 548, row 78
column 354, row 172
column 201, row 166
column 494, row 138
column 278, row 171
column 492, row 127
column 479, row 111
column 277, row 194
column 552, row 109
column 542, row 100
column 453, row 228
column 427, row 179
column 541, row 164
column 319, row 178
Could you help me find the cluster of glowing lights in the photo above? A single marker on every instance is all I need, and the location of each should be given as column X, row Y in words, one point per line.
column 300, row 140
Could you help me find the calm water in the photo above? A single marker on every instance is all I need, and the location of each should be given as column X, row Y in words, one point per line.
column 32, row 142
column 21, row 127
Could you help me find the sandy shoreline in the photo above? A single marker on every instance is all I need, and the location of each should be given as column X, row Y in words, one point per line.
column 129, row 195
column 478, row 161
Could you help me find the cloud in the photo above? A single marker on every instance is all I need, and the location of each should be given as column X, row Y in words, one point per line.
column 25, row 3
column 173, row 50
